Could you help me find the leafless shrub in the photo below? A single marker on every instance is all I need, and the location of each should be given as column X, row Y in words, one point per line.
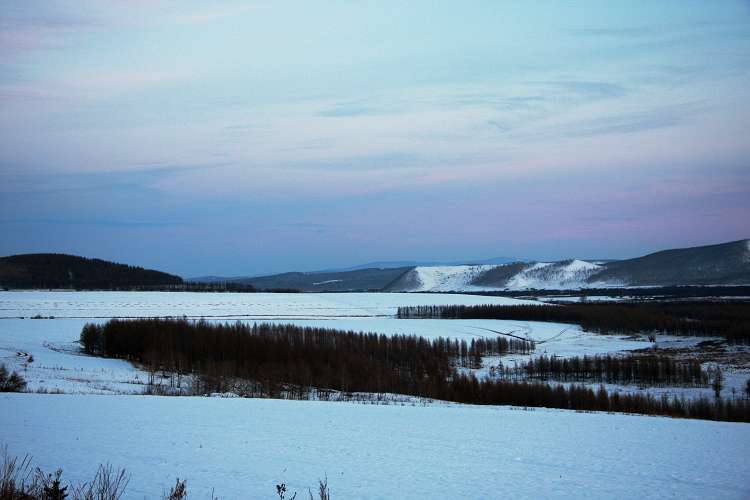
column 16, row 477
column 19, row 481
column 177, row 492
column 108, row 484
column 324, row 492
column 11, row 382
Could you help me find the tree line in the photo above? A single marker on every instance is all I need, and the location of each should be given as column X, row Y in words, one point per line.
column 730, row 319
column 274, row 354
column 277, row 357
column 651, row 370
column 647, row 293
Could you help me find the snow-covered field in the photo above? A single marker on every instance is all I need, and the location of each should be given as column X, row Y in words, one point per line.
column 89, row 305
column 58, row 366
column 244, row 447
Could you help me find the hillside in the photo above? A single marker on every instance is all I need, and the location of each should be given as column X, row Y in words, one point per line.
column 724, row 264
column 345, row 281
column 47, row 270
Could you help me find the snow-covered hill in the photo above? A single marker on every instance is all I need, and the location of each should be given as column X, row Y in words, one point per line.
column 569, row 274
column 447, row 278
column 554, row 275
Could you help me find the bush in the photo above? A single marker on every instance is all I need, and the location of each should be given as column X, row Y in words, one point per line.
column 177, row 492
column 12, row 382
column 19, row 481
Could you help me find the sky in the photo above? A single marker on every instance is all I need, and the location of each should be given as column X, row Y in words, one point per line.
column 237, row 138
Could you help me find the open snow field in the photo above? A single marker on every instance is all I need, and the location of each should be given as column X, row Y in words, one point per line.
column 223, row 305
column 243, row 447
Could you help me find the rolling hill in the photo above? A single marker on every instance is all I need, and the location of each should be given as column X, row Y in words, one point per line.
column 51, row 270
column 723, row 264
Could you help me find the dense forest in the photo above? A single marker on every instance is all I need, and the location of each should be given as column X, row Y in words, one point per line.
column 730, row 320
column 284, row 359
column 651, row 370
column 275, row 354
column 69, row 271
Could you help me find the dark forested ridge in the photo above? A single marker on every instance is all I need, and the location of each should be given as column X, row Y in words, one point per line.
column 51, row 270
column 722, row 264
column 360, row 280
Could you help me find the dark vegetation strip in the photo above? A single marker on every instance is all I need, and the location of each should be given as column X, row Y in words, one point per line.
column 730, row 320
column 286, row 354
column 646, row 293
column 277, row 355
column 652, row 370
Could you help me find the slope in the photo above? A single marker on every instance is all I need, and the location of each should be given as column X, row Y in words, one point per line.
column 51, row 270
column 725, row 264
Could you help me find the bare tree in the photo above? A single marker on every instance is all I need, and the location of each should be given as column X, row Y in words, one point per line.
column 718, row 384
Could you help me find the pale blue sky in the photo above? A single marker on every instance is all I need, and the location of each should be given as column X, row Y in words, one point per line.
column 250, row 137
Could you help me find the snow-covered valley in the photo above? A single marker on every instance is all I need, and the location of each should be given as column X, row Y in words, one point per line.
column 407, row 448
column 46, row 327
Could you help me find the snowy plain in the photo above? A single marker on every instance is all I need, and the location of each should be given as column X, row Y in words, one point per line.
column 58, row 365
column 244, row 447
column 90, row 305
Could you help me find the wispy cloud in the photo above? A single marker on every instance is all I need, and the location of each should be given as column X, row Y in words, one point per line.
column 139, row 177
column 632, row 122
column 116, row 223
column 348, row 108
column 623, row 31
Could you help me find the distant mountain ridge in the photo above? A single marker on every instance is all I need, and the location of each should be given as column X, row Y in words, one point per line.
column 50, row 270
column 723, row 264
column 390, row 264
column 372, row 279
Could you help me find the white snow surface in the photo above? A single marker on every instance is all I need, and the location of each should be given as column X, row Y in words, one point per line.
column 554, row 275
column 242, row 448
column 565, row 275
column 326, row 282
column 448, row 278
column 64, row 304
